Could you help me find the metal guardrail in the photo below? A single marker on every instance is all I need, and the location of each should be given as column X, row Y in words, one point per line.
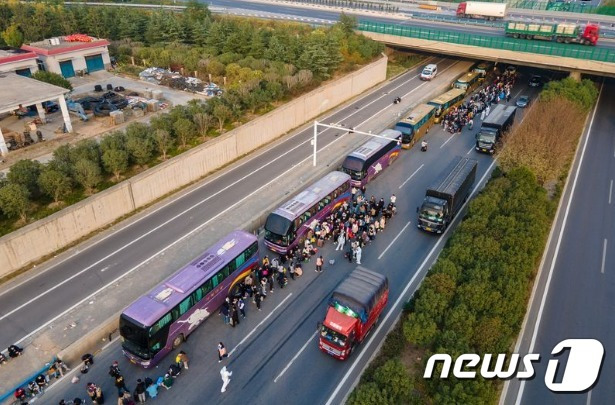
column 511, row 44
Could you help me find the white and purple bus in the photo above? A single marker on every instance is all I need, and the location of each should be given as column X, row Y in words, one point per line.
column 163, row 318
column 288, row 225
column 371, row 158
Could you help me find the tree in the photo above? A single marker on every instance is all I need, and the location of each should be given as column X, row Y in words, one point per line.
column 13, row 36
column 87, row 174
column 139, row 144
column 14, row 201
column 222, row 113
column 203, row 121
column 52, row 78
column 164, row 142
column 87, row 149
column 54, row 183
column 115, row 161
column 185, row 130
column 62, row 160
column 349, row 23
column 25, row 173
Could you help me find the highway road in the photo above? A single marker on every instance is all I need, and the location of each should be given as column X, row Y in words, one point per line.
column 301, row 14
column 579, row 271
column 274, row 353
column 28, row 305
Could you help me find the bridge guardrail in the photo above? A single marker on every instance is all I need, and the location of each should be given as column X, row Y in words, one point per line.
column 511, row 44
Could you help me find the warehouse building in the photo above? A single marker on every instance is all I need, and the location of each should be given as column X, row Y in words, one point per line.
column 18, row 61
column 72, row 55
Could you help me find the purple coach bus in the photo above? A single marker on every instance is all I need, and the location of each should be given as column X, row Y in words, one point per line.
column 371, row 158
column 163, row 318
column 288, row 225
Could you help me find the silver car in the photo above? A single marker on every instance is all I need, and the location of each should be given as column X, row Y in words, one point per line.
column 523, row 101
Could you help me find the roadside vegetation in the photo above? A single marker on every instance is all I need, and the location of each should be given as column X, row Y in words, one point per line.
column 400, row 61
column 606, row 8
column 474, row 298
column 265, row 64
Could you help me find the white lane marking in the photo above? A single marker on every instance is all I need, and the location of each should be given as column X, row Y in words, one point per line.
column 471, row 149
column 603, row 255
column 447, row 141
column 213, row 178
column 104, row 269
column 393, row 241
column 290, row 363
column 610, row 191
column 517, row 95
column 402, row 295
column 195, row 229
column 412, row 175
column 589, row 398
column 259, row 324
column 557, row 246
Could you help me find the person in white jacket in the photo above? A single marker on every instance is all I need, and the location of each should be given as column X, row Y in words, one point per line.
column 226, row 378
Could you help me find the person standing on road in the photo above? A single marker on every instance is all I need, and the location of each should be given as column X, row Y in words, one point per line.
column 257, row 299
column 319, row 262
column 114, row 370
column 120, row 383
column 140, row 390
column 100, row 397
column 226, row 378
column 341, row 241
column 152, row 390
column 221, row 351
column 358, row 254
column 242, row 307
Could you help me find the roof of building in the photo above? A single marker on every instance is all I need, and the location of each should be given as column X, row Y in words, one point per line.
column 22, row 90
column 8, row 55
column 59, row 45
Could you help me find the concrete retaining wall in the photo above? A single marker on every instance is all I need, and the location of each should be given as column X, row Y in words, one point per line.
column 42, row 238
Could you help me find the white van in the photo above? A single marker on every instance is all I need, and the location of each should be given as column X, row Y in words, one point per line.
column 429, row 72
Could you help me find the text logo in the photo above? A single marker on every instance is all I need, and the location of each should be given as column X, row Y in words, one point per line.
column 582, row 368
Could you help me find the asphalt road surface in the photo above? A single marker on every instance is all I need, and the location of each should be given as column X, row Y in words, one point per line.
column 332, row 15
column 274, row 353
column 581, row 266
column 27, row 306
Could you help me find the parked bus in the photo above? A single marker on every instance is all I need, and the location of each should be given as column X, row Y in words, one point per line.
column 467, row 82
column 483, row 69
column 446, row 101
column 163, row 318
column 371, row 158
column 416, row 124
column 288, row 225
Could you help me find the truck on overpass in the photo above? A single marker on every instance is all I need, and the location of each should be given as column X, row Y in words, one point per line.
column 562, row 32
column 479, row 9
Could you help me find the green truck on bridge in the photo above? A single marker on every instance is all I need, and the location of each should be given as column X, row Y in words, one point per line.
column 562, row 32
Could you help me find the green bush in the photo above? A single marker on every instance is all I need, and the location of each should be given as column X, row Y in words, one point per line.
column 52, row 78
column 583, row 93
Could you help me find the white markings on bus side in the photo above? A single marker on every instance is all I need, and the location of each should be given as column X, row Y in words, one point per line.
column 393, row 241
column 412, row 175
column 290, row 363
column 259, row 324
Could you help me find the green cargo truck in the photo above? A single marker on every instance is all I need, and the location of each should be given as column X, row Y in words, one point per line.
column 562, row 32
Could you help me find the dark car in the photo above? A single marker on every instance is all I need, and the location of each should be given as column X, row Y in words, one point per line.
column 523, row 101
column 535, row 81
column 88, row 102
column 511, row 69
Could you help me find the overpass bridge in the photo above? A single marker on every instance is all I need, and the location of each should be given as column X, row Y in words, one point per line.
column 543, row 54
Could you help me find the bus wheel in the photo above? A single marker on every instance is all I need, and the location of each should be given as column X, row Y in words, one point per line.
column 178, row 341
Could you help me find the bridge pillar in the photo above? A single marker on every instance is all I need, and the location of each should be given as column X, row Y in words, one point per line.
column 576, row 75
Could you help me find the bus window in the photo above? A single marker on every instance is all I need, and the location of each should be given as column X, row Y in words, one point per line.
column 198, row 295
column 239, row 261
column 206, row 287
column 162, row 322
column 321, row 204
column 185, row 305
column 217, row 279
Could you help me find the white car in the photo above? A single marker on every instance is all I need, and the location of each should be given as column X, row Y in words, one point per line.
column 429, row 72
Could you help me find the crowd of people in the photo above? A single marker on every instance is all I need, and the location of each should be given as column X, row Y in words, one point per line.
column 480, row 102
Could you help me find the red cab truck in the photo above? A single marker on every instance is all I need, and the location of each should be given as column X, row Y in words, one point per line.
column 354, row 308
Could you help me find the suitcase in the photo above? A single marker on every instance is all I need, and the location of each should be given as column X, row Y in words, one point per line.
column 320, row 242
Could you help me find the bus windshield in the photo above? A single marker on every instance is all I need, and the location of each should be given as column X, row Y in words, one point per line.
column 333, row 336
column 354, row 167
column 135, row 337
column 404, row 128
column 276, row 229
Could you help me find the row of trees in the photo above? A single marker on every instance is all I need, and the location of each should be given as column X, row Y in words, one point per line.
column 474, row 298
